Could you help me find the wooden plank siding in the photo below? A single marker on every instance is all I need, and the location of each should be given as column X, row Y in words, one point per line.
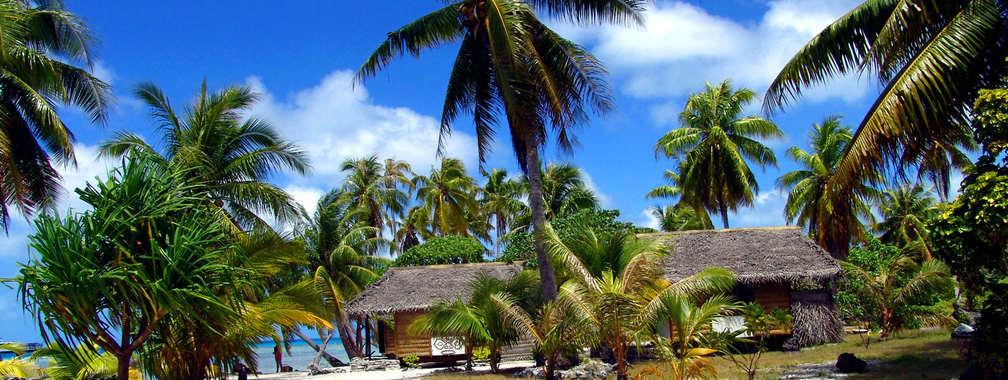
column 407, row 344
column 773, row 295
column 388, row 332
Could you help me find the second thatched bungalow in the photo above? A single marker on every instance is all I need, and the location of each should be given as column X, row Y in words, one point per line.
column 774, row 266
column 405, row 293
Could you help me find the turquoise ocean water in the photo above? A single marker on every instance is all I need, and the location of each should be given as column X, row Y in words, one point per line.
column 300, row 356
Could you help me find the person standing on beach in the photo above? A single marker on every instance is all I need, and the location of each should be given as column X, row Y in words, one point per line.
column 278, row 356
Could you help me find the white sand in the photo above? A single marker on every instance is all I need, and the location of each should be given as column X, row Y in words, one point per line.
column 378, row 375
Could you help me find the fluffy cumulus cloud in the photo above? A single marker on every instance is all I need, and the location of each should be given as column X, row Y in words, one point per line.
column 683, row 45
column 333, row 121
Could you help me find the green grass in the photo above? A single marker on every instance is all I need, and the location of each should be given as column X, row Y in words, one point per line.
column 914, row 355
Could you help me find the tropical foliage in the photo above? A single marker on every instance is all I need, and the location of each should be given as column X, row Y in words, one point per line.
column 43, row 47
column 443, row 250
column 712, row 148
column 215, row 148
column 906, row 212
column 897, row 291
column 809, row 204
column 510, row 63
column 931, row 59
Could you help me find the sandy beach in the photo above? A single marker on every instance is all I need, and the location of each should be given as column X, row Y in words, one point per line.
column 379, row 375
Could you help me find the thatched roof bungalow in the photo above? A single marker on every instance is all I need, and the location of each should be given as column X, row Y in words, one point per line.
column 404, row 293
column 774, row 266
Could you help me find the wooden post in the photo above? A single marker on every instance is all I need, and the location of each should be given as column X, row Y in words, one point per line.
column 367, row 334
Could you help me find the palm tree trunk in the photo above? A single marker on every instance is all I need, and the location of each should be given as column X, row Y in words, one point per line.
column 724, row 213
column 346, row 337
column 333, row 361
column 122, row 371
column 546, row 276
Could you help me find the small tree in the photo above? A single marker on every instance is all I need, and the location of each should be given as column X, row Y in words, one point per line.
column 895, row 290
column 759, row 325
column 110, row 275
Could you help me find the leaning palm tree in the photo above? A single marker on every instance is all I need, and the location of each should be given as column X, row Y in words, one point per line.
column 217, row 149
column 339, row 247
column 906, row 212
column 43, row 45
column 713, row 146
column 931, row 57
column 827, row 219
column 510, row 64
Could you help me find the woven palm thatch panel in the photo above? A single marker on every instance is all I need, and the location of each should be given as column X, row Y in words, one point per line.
column 408, row 344
column 520, row 350
column 816, row 320
column 413, row 289
column 755, row 255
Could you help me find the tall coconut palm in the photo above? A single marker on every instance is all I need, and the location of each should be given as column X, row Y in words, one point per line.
column 43, row 47
column 212, row 144
column 906, row 212
column 808, row 204
column 500, row 200
column 398, row 175
column 449, row 196
column 932, row 57
column 369, row 187
column 509, row 63
column 713, row 146
column 936, row 160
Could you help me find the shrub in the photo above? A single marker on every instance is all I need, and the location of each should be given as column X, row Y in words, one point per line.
column 443, row 250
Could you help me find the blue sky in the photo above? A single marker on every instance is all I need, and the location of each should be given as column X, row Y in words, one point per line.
column 302, row 58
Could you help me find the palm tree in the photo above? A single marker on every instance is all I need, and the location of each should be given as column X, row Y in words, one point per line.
column 216, row 149
column 339, row 246
column 16, row 367
column 906, row 212
column 370, row 187
column 680, row 217
column 560, row 328
column 898, row 284
column 60, row 364
column 448, row 196
column 932, row 58
column 485, row 318
column 827, row 219
column 500, row 200
column 42, row 43
column 398, row 174
column 936, row 160
column 617, row 280
column 510, row 63
column 565, row 191
column 690, row 324
column 712, row 148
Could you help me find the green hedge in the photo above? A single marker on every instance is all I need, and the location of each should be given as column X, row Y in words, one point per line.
column 443, row 250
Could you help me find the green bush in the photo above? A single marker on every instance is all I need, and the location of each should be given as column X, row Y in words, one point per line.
column 443, row 250
column 603, row 222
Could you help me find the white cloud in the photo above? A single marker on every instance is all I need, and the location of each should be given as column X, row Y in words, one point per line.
column 682, row 45
column 103, row 73
column 333, row 121
column 89, row 167
column 646, row 219
column 308, row 197
column 603, row 198
column 767, row 210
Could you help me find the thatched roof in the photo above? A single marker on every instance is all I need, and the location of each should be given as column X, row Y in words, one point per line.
column 755, row 255
column 417, row 288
